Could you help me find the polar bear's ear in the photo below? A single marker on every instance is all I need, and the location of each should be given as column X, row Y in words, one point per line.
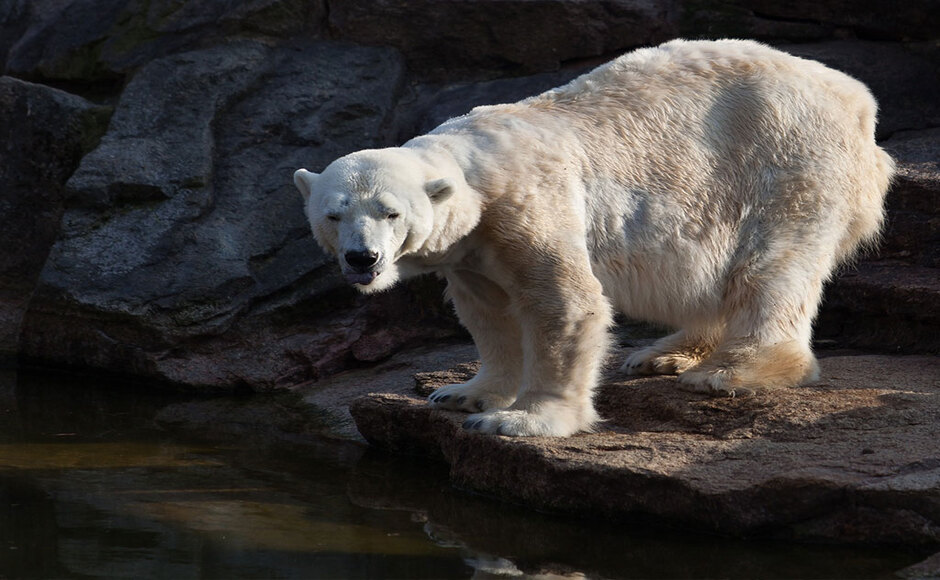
column 304, row 180
column 439, row 189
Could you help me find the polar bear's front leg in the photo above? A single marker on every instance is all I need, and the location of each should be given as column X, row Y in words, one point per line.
column 565, row 319
column 484, row 309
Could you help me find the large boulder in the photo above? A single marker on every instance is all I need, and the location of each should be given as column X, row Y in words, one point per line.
column 44, row 133
column 810, row 20
column 94, row 40
column 184, row 255
column 441, row 37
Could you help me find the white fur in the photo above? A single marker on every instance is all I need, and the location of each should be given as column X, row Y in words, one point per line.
column 711, row 186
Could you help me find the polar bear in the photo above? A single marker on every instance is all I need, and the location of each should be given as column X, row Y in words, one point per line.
column 712, row 186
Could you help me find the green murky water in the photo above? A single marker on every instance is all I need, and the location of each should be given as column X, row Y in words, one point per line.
column 92, row 487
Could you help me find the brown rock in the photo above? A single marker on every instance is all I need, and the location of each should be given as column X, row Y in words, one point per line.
column 501, row 540
column 852, row 458
column 333, row 395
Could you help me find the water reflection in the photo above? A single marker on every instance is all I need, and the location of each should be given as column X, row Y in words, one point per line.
column 506, row 536
column 92, row 486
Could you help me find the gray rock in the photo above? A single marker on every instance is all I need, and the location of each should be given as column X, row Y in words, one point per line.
column 433, row 103
column 929, row 568
column 809, row 20
column 891, row 300
column 884, row 305
column 913, row 230
column 917, row 19
column 905, row 82
column 93, row 40
column 441, row 37
column 917, row 183
column 186, row 229
column 852, row 458
column 44, row 133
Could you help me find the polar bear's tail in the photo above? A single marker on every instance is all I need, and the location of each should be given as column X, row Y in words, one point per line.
column 864, row 230
column 875, row 170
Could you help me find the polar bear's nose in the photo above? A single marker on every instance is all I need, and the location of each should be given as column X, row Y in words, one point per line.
column 361, row 260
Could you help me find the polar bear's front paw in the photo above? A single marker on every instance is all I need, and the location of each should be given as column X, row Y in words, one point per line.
column 469, row 398
column 519, row 423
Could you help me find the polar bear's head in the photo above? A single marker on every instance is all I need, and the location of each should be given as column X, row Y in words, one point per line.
column 371, row 208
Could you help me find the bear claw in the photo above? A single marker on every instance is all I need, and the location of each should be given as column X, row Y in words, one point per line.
column 472, row 424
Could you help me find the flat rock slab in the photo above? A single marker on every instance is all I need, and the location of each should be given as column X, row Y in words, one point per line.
column 853, row 458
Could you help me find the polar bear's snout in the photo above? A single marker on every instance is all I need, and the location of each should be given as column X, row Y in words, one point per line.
column 361, row 261
column 360, row 266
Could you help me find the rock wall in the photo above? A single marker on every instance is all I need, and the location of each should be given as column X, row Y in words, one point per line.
column 44, row 133
column 152, row 227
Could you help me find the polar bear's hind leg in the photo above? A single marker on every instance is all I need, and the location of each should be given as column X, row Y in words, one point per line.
column 768, row 311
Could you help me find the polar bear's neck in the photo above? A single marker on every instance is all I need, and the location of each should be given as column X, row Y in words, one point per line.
column 459, row 214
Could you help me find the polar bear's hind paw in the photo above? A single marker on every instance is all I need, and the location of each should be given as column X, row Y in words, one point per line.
column 662, row 359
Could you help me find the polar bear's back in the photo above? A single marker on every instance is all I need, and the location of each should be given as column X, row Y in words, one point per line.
column 702, row 152
column 683, row 72
column 710, row 122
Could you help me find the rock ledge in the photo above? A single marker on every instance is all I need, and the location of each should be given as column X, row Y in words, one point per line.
column 851, row 459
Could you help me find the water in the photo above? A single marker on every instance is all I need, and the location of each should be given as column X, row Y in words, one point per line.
column 92, row 487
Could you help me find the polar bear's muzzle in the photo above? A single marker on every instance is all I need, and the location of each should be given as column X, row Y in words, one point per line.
column 360, row 267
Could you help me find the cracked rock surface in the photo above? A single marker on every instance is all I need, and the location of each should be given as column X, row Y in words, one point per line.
column 852, row 458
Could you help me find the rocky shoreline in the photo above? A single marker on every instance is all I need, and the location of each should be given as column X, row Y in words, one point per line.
column 852, row 458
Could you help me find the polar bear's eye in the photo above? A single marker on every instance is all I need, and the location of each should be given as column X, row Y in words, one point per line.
column 332, row 217
column 392, row 215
